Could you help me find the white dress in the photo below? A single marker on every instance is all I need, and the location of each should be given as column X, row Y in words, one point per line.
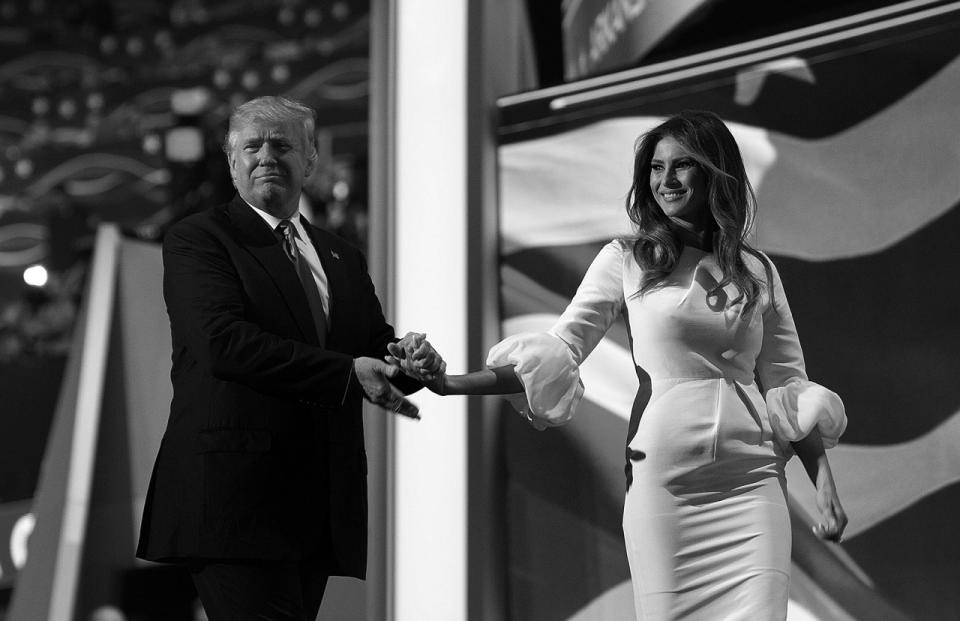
column 705, row 517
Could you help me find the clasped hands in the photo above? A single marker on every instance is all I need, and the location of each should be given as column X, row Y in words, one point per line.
column 412, row 355
column 416, row 357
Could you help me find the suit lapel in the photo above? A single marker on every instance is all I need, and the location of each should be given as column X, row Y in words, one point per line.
column 262, row 243
column 337, row 284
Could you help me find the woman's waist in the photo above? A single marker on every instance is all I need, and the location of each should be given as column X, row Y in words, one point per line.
column 706, row 395
column 744, row 380
column 710, row 412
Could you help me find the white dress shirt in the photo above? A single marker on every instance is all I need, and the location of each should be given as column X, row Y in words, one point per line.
column 307, row 251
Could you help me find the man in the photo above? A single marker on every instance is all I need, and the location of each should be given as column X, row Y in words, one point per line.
column 260, row 483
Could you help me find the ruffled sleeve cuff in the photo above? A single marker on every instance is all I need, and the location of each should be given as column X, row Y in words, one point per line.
column 799, row 406
column 550, row 377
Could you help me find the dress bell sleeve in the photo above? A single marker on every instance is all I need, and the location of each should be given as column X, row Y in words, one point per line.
column 548, row 363
column 795, row 405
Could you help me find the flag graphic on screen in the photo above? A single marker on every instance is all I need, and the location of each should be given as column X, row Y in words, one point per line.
column 854, row 152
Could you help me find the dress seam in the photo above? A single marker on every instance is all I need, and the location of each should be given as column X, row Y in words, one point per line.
column 716, row 423
column 700, row 377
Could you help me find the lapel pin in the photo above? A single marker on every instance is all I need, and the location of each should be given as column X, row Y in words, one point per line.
column 334, row 254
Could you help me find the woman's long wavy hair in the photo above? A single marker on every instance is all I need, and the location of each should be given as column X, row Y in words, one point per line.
column 730, row 198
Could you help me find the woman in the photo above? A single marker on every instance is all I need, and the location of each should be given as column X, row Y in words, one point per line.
column 705, row 516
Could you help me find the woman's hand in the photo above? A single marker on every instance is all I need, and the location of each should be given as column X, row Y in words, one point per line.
column 833, row 519
column 437, row 382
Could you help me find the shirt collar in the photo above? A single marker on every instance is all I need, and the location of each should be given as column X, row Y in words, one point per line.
column 272, row 221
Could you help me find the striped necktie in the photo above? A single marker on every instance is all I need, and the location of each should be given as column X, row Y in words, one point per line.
column 288, row 240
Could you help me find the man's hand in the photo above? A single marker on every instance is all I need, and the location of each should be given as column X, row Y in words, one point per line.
column 416, row 357
column 373, row 376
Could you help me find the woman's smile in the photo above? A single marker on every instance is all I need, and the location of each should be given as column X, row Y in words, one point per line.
column 678, row 183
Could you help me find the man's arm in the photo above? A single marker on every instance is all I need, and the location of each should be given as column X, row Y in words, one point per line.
column 381, row 333
column 205, row 302
column 375, row 377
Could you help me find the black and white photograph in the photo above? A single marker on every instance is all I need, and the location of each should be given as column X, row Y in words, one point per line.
column 479, row 310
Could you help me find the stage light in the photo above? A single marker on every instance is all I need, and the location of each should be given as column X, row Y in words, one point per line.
column 19, row 536
column 35, row 276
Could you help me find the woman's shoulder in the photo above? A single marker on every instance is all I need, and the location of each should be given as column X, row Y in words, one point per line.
column 613, row 251
column 619, row 245
column 629, row 271
column 763, row 268
column 617, row 254
column 609, row 264
column 759, row 264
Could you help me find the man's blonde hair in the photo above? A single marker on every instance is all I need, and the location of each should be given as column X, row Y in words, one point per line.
column 276, row 109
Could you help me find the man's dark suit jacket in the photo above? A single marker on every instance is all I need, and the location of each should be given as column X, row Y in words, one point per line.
column 263, row 454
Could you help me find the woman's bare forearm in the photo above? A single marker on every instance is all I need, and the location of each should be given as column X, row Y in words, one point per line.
column 813, row 456
column 498, row 381
column 832, row 519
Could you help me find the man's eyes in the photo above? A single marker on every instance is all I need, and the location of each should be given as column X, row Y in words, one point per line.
column 253, row 147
